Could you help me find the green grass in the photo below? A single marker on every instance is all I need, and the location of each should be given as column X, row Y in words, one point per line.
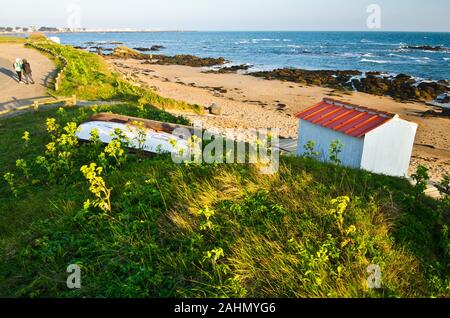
column 11, row 39
column 209, row 230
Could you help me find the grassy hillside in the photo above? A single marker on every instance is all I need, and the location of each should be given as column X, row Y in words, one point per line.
column 89, row 77
column 145, row 227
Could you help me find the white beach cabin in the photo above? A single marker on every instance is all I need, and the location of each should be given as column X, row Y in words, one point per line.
column 372, row 140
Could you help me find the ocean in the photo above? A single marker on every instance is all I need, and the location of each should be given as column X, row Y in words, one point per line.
column 364, row 51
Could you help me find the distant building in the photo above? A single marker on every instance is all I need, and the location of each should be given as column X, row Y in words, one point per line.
column 48, row 29
column 372, row 140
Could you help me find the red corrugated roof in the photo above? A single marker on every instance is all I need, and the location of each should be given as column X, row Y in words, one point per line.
column 352, row 120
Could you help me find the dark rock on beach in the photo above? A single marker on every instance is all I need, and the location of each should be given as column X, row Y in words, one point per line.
column 188, row 60
column 402, row 86
column 331, row 79
column 230, row 69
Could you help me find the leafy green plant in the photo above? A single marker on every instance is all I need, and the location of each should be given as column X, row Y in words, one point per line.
column 421, row 178
column 97, row 187
column 336, row 147
column 9, row 178
column 23, row 166
column 26, row 138
column 309, row 150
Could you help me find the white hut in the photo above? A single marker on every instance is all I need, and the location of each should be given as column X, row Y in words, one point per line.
column 372, row 140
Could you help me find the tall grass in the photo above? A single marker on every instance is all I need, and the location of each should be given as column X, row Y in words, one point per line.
column 210, row 230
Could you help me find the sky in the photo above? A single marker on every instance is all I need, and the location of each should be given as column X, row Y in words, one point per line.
column 230, row 15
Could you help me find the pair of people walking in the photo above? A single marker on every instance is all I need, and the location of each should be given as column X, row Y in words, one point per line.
column 23, row 70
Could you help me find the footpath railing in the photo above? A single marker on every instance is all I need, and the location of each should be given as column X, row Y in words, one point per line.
column 68, row 101
column 62, row 59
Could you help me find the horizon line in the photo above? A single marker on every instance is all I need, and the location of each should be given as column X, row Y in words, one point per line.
column 112, row 30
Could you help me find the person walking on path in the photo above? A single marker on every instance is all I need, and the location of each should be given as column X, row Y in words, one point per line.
column 26, row 67
column 18, row 68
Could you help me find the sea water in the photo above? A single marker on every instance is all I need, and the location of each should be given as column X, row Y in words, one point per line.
column 364, row 51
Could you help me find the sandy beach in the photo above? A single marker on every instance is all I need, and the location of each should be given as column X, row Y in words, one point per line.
column 250, row 102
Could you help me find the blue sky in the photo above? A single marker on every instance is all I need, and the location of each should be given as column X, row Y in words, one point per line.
column 399, row 15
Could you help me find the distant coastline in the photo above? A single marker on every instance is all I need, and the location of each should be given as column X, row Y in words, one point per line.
column 95, row 31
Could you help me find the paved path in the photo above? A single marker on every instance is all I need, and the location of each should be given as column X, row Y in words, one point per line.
column 13, row 94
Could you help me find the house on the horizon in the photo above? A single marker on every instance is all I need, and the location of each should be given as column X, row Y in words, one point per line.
column 372, row 140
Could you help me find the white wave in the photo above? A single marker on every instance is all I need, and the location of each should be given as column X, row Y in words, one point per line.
column 375, row 61
column 446, row 58
column 265, row 40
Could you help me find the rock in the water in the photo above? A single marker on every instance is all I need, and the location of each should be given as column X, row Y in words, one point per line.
column 151, row 49
column 141, row 49
column 215, row 109
column 157, row 48
column 427, row 48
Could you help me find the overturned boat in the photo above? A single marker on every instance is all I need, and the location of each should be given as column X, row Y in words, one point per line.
column 141, row 134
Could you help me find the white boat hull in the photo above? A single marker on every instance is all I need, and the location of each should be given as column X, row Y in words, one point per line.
column 155, row 142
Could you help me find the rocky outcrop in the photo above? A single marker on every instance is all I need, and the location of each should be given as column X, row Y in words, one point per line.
column 331, row 79
column 402, row 86
column 124, row 52
column 230, row 69
column 188, row 60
